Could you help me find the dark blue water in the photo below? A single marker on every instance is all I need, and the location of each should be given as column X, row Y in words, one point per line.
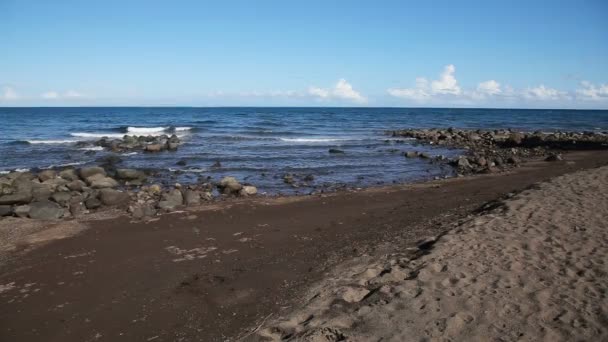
column 262, row 144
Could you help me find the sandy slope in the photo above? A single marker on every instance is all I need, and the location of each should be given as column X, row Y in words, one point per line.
column 533, row 269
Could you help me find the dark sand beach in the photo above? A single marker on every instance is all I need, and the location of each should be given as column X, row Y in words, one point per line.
column 222, row 271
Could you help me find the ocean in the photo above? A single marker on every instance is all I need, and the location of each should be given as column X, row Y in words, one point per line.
column 261, row 145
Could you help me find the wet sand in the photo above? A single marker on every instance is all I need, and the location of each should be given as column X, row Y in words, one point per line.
column 215, row 273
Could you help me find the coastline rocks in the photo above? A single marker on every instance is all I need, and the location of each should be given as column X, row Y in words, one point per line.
column 170, row 200
column 45, row 210
column 99, row 181
column 61, row 198
column 130, row 174
column 87, row 172
column 229, row 185
column 153, row 148
column 111, row 197
column 22, row 210
column 192, row 197
column 46, row 175
column 6, row 210
column 145, row 143
column 248, row 190
column 69, row 175
column 92, row 203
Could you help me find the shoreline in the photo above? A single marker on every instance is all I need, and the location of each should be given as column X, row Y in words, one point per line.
column 530, row 267
column 252, row 256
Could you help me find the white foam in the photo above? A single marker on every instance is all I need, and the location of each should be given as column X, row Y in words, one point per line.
column 187, row 170
column 97, row 135
column 312, row 140
column 129, row 154
column 62, row 165
column 94, row 148
column 50, row 141
column 177, row 129
column 4, row 172
column 146, row 130
column 22, row 170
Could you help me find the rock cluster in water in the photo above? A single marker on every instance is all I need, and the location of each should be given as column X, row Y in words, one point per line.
column 133, row 142
column 491, row 151
column 53, row 194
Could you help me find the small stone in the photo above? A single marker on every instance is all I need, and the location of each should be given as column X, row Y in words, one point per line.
column 353, row 294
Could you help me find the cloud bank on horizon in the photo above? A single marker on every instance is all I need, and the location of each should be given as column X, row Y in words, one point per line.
column 443, row 91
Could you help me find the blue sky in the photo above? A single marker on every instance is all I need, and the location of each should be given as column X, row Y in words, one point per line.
column 534, row 54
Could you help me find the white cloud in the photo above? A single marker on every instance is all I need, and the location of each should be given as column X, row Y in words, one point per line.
column 50, row 95
column 341, row 91
column 9, row 94
column 53, row 95
column 446, row 91
column 447, row 84
column 590, row 91
column 425, row 90
column 543, row 93
column 490, row 87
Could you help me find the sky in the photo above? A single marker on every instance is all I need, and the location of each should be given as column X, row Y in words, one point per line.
column 517, row 54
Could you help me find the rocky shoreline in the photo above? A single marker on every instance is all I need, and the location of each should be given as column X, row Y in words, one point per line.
column 489, row 151
column 69, row 192
column 136, row 143
column 53, row 194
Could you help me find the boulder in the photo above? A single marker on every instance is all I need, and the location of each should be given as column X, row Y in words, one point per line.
column 111, row 197
column 130, row 174
column 141, row 211
column 99, row 181
column 192, row 197
column 69, row 175
column 424, row 155
column 248, row 190
column 22, row 210
column 92, row 203
column 411, row 154
column 17, row 197
column 170, row 200
column 62, row 198
column 76, row 185
column 153, row 148
column 45, row 210
column 87, row 172
column 155, row 189
column 77, row 207
column 55, row 183
column 515, row 139
column 463, row 163
column 6, row 210
column 46, row 175
column 41, row 191
column 230, row 185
